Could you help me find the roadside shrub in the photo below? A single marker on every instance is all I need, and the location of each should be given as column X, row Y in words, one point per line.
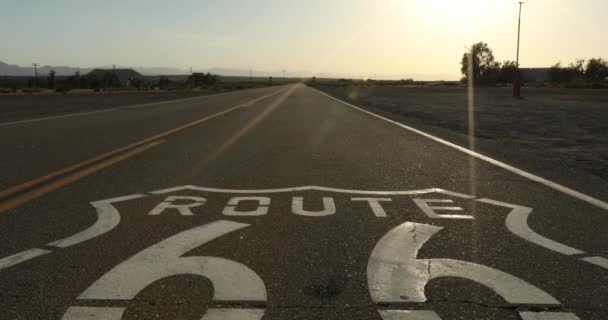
column 577, row 83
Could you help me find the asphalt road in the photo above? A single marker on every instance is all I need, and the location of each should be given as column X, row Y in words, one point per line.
column 282, row 203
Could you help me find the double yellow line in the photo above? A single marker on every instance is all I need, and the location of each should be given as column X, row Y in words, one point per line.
column 32, row 189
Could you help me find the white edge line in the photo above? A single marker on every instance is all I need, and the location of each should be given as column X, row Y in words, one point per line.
column 293, row 189
column 571, row 192
column 115, row 108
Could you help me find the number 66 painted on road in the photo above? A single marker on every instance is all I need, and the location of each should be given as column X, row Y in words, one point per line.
column 394, row 275
column 231, row 280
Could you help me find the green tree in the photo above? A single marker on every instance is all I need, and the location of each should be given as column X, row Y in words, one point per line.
column 508, row 71
column 556, row 73
column 596, row 70
column 484, row 69
column 573, row 72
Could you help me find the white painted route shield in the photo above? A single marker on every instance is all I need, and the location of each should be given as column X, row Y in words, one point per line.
column 396, row 277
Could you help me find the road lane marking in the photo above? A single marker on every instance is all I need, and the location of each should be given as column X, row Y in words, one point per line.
column 408, row 315
column 423, row 204
column 294, row 189
column 36, row 181
column 517, row 223
column 106, row 109
column 231, row 280
column 21, row 257
column 395, row 274
column 553, row 185
column 56, row 184
column 55, row 117
column 546, row 315
column 108, row 218
column 598, row 261
column 94, row 313
column 233, row 314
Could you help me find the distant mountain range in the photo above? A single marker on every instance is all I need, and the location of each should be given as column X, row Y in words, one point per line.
column 15, row 70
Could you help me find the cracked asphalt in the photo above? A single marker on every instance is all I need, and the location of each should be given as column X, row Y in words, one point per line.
column 302, row 244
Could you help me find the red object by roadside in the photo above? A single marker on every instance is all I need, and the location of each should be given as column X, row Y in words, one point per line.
column 516, row 87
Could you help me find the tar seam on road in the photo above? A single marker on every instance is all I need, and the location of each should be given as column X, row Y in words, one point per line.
column 563, row 189
column 108, row 158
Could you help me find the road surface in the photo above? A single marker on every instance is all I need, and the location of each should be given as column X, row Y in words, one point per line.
column 282, row 203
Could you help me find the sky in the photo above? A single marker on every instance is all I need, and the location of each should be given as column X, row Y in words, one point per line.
column 420, row 39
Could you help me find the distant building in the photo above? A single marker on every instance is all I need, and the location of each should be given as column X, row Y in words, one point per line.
column 534, row 74
column 125, row 76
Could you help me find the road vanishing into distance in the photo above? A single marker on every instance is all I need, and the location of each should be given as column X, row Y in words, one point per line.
column 282, row 203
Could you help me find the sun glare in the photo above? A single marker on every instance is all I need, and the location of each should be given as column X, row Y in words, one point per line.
column 454, row 9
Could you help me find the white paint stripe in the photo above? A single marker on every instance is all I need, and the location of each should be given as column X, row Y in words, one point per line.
column 511, row 288
column 456, row 194
column 107, row 218
column 408, row 315
column 232, row 281
column 598, row 261
column 293, row 189
column 93, row 313
column 233, row 314
column 545, row 315
column 517, row 223
column 22, row 256
column 423, row 204
column 395, row 275
column 113, row 109
column 573, row 193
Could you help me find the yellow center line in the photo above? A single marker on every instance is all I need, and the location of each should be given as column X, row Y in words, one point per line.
column 11, row 203
column 56, row 184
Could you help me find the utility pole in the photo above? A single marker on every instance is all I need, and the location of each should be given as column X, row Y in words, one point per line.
column 114, row 74
column 284, row 79
column 35, row 74
column 250, row 76
column 517, row 80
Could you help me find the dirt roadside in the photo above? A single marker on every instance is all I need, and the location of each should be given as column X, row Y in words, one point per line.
column 559, row 134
